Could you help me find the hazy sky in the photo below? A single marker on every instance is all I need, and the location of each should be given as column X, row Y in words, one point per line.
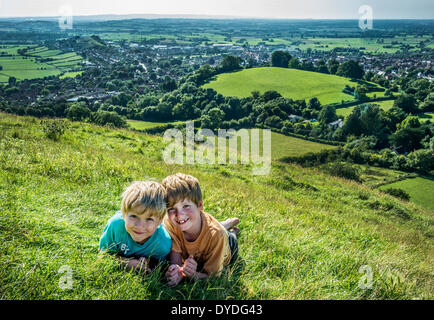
column 316, row 9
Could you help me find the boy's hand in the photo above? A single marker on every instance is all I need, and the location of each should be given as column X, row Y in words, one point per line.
column 190, row 266
column 142, row 265
column 174, row 275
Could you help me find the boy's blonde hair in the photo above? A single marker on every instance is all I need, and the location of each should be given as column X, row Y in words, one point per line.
column 182, row 186
column 149, row 194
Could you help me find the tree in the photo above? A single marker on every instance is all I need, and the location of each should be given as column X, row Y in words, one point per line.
column 321, row 67
column 327, row 114
column 350, row 69
column 353, row 125
column 168, row 84
column 409, row 122
column 270, row 95
column 280, row 59
column 213, row 119
column 360, row 92
column 408, row 139
column 103, row 118
column 78, row 112
column 428, row 103
column 407, row 103
column 332, row 66
column 294, row 63
column 314, row 104
column 230, row 63
column 421, row 160
column 12, row 81
column 205, row 72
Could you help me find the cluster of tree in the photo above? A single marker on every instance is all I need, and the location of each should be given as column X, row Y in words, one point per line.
column 350, row 69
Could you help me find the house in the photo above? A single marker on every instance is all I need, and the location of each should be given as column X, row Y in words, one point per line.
column 336, row 124
column 294, row 117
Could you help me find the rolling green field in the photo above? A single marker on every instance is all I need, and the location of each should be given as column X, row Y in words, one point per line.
column 385, row 105
column 304, row 234
column 366, row 44
column 389, row 45
column 291, row 83
column 426, row 116
column 40, row 63
column 281, row 145
column 284, row 146
column 420, row 189
column 141, row 125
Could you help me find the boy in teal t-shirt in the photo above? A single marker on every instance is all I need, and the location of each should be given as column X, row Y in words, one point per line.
column 117, row 240
column 135, row 234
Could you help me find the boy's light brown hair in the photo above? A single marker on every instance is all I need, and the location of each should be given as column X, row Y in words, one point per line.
column 182, row 186
column 150, row 194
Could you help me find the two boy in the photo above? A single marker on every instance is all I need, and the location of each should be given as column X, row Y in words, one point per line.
column 197, row 244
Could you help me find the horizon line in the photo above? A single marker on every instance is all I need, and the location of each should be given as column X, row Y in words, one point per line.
column 196, row 16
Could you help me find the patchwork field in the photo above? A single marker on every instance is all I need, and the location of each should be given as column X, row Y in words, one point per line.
column 38, row 62
column 290, row 83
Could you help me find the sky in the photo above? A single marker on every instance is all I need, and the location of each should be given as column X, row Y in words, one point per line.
column 286, row 9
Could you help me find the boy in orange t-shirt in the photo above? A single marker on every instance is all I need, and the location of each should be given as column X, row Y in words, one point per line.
column 201, row 245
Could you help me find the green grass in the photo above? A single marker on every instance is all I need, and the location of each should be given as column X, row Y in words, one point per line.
column 70, row 74
column 31, row 68
column 420, row 190
column 426, row 116
column 141, row 125
column 284, row 146
column 385, row 105
column 291, row 83
column 374, row 176
column 304, row 234
column 364, row 44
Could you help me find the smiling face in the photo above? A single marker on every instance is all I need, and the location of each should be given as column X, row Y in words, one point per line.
column 141, row 224
column 185, row 215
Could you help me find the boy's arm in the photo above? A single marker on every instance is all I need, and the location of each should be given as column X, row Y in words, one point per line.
column 175, row 258
column 140, row 265
column 174, row 274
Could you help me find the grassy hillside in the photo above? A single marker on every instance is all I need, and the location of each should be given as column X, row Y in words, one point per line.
column 385, row 105
column 304, row 234
column 291, row 83
column 284, row 146
column 420, row 190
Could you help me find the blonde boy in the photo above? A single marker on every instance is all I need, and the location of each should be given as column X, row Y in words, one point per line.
column 201, row 246
column 135, row 233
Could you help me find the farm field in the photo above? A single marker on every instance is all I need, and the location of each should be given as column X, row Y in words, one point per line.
column 304, row 234
column 285, row 146
column 141, row 125
column 290, row 83
column 385, row 105
column 420, row 189
column 367, row 45
column 40, row 63
column 426, row 116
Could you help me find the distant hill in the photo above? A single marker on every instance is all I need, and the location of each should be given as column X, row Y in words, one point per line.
column 290, row 83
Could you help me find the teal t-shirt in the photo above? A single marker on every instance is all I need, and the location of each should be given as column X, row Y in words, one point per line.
column 116, row 239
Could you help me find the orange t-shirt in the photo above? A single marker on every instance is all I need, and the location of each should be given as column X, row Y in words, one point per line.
column 210, row 249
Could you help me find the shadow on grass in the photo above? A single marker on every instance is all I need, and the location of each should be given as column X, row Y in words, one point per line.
column 226, row 287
